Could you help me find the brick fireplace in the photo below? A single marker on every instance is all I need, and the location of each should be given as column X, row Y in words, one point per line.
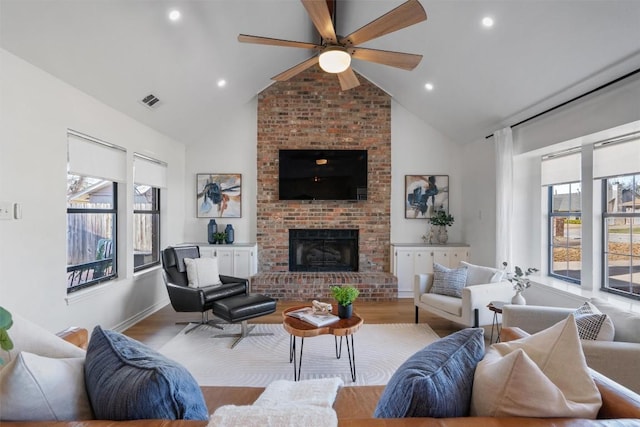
column 311, row 112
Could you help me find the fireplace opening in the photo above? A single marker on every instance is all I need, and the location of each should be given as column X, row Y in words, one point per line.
column 323, row 250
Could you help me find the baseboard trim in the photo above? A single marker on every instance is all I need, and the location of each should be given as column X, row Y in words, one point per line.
column 127, row 323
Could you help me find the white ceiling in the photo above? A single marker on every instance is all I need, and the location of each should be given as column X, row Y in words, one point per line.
column 538, row 54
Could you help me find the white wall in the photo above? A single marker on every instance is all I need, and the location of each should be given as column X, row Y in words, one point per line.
column 36, row 111
column 230, row 148
column 419, row 149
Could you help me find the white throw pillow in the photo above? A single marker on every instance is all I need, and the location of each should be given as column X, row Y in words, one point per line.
column 36, row 388
column 202, row 272
column 479, row 275
column 542, row 375
column 593, row 324
column 28, row 336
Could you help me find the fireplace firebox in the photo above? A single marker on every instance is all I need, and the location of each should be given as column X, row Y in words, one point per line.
column 323, row 250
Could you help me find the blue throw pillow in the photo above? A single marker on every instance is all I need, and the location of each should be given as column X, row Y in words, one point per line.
column 436, row 381
column 127, row 380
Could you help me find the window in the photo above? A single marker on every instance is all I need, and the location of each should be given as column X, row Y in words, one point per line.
column 565, row 232
column 91, row 231
column 146, row 226
column 621, row 225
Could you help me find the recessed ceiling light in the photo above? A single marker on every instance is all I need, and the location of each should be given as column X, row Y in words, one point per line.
column 222, row 83
column 487, row 22
column 174, row 15
column 428, row 86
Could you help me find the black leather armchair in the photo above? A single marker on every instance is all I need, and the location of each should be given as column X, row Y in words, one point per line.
column 186, row 299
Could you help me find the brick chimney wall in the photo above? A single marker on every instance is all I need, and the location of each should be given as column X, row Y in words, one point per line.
column 311, row 112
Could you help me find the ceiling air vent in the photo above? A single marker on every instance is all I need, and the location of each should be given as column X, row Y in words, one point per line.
column 151, row 101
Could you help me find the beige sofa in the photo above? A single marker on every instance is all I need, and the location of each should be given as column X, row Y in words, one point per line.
column 483, row 285
column 618, row 359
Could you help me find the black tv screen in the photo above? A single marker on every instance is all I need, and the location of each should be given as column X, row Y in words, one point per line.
column 323, row 175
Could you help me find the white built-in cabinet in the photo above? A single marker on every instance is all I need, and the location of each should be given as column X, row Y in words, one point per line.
column 407, row 260
column 237, row 260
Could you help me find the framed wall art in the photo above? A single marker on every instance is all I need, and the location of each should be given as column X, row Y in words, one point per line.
column 425, row 195
column 218, row 195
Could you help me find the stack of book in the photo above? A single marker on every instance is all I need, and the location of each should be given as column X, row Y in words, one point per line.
column 307, row 315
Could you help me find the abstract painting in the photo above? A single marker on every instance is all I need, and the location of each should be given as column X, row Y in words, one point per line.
column 425, row 195
column 218, row 195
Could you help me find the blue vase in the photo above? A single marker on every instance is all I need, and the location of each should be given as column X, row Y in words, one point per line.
column 212, row 229
column 228, row 236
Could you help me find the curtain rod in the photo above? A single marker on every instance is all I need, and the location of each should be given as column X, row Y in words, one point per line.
column 573, row 99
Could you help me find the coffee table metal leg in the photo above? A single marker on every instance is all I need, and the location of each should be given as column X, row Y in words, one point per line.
column 352, row 357
column 297, row 364
column 338, row 350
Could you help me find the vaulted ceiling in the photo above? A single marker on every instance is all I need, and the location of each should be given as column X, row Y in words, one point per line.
column 537, row 54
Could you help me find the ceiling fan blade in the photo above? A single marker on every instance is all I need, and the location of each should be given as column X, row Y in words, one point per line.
column 348, row 79
column 318, row 11
column 296, row 69
column 244, row 38
column 408, row 13
column 406, row 61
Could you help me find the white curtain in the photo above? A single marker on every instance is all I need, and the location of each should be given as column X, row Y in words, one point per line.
column 504, row 191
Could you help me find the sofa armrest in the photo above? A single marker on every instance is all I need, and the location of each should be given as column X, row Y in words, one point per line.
column 184, row 298
column 478, row 297
column 614, row 359
column 421, row 285
column 533, row 318
column 76, row 336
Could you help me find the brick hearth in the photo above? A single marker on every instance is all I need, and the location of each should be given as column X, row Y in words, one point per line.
column 290, row 286
column 311, row 112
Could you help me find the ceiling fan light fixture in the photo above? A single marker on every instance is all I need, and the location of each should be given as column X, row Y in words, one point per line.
column 335, row 59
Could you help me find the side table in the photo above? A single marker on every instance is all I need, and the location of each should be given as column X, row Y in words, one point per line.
column 343, row 328
column 496, row 307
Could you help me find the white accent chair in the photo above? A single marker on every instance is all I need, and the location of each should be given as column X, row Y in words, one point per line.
column 618, row 359
column 483, row 285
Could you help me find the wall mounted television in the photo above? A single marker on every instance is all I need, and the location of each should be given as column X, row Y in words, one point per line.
column 323, row 175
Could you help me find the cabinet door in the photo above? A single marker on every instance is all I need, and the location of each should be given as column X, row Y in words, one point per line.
column 404, row 269
column 207, row 252
column 422, row 262
column 225, row 261
column 242, row 262
column 441, row 256
column 457, row 255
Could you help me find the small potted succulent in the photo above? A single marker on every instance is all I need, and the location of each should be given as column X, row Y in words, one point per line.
column 219, row 237
column 344, row 295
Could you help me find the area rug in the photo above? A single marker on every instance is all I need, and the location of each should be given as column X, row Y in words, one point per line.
column 258, row 361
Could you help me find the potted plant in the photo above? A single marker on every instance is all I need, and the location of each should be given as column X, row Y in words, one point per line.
column 345, row 295
column 219, row 237
column 520, row 282
column 442, row 220
column 5, row 323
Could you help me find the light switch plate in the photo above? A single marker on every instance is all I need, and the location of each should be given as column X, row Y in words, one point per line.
column 6, row 210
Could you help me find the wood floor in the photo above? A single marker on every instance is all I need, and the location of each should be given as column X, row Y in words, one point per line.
column 160, row 327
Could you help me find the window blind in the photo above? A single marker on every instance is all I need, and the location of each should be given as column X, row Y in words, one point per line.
column 617, row 157
column 88, row 156
column 149, row 171
column 561, row 168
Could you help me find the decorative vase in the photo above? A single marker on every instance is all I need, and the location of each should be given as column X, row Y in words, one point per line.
column 212, row 229
column 443, row 236
column 518, row 299
column 228, row 236
column 345, row 311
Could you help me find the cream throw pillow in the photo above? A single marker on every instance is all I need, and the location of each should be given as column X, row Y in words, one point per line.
column 202, row 272
column 36, row 388
column 542, row 375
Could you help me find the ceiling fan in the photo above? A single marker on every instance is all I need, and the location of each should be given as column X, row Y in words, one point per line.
column 335, row 53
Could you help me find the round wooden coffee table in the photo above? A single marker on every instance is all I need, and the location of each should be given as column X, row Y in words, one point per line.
column 343, row 328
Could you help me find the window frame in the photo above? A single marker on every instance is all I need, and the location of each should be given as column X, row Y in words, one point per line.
column 155, row 211
column 605, row 246
column 551, row 215
column 112, row 211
